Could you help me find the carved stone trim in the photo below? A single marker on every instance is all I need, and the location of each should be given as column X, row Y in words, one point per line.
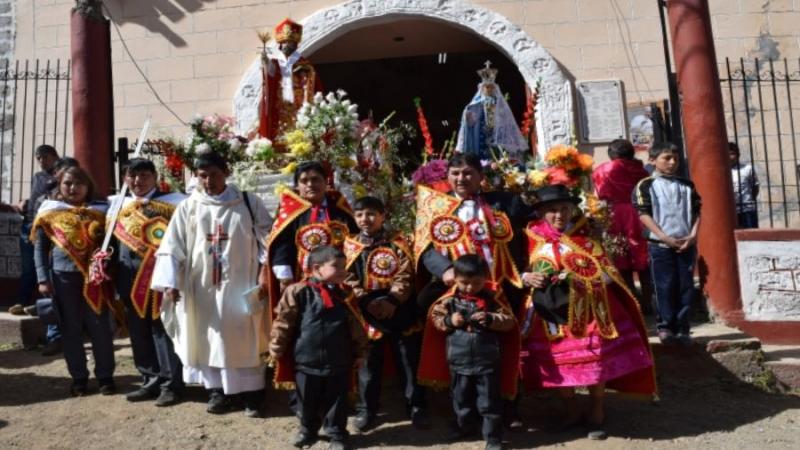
column 554, row 115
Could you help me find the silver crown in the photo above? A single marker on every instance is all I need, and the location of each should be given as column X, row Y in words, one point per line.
column 488, row 73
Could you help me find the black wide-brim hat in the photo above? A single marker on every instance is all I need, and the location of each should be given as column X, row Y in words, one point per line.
column 553, row 193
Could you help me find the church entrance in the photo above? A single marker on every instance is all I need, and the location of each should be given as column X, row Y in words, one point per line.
column 383, row 67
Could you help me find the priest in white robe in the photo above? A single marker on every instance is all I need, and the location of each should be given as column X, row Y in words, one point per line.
column 207, row 267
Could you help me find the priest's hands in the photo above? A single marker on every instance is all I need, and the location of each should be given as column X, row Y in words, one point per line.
column 46, row 289
column 449, row 277
column 535, row 280
column 172, row 295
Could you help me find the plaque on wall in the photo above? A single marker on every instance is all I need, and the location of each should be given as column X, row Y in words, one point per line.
column 601, row 105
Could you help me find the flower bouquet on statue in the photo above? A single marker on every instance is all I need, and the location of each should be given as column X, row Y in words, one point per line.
column 503, row 173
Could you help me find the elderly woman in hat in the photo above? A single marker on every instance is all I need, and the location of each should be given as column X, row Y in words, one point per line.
column 581, row 325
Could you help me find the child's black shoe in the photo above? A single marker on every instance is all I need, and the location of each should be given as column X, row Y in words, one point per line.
column 364, row 421
column 78, row 388
column 420, row 419
column 217, row 402
column 107, row 386
column 303, row 440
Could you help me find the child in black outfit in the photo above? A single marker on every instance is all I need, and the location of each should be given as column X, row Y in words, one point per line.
column 316, row 332
column 381, row 274
column 480, row 351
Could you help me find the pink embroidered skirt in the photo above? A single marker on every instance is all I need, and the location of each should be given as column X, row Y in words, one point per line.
column 571, row 361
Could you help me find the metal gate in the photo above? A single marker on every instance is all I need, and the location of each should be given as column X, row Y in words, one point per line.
column 761, row 99
column 34, row 110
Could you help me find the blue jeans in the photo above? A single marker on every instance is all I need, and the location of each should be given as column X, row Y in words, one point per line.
column 673, row 286
column 747, row 219
column 27, row 280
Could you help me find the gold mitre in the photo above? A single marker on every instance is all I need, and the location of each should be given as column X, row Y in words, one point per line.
column 288, row 31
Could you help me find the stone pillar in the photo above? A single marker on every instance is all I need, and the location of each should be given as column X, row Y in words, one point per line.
column 92, row 93
column 706, row 145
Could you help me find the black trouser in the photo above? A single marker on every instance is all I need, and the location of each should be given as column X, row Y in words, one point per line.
column 323, row 397
column 478, row 396
column 75, row 315
column 370, row 376
column 153, row 353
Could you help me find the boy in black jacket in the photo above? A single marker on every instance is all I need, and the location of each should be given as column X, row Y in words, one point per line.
column 475, row 321
column 316, row 332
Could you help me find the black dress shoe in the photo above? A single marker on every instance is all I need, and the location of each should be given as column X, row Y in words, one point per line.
column 303, row 440
column 420, row 419
column 107, row 387
column 140, row 395
column 78, row 388
column 338, row 445
column 364, row 421
column 167, row 398
column 494, row 446
column 52, row 348
column 218, row 403
column 252, row 403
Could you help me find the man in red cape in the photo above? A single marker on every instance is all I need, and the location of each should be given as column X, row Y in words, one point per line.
column 288, row 81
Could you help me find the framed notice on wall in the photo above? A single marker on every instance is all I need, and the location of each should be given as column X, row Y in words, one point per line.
column 601, row 106
column 646, row 123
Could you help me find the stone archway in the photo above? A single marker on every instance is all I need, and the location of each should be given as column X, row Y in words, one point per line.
column 554, row 115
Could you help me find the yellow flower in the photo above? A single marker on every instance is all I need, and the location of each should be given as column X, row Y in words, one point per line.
column 280, row 188
column 359, row 190
column 345, row 163
column 289, row 169
column 300, row 149
column 294, row 137
column 538, row 178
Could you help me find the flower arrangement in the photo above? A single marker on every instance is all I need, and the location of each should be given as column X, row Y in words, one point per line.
column 423, row 126
column 503, row 174
column 325, row 130
column 213, row 134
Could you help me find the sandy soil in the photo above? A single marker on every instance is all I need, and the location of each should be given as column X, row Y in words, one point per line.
column 701, row 405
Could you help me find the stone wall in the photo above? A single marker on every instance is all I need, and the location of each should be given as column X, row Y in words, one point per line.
column 769, row 270
column 7, row 21
column 9, row 245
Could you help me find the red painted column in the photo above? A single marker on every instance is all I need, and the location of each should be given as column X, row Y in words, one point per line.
column 706, row 143
column 92, row 96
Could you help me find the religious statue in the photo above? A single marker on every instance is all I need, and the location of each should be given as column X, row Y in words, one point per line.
column 289, row 80
column 487, row 124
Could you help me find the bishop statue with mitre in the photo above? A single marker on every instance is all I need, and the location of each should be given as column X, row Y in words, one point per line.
column 288, row 81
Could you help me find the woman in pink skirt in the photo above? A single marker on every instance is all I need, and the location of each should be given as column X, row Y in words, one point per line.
column 581, row 325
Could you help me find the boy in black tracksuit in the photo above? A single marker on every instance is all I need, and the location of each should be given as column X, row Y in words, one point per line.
column 473, row 318
column 315, row 329
column 381, row 274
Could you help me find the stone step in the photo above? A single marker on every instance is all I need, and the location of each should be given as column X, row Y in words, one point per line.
column 26, row 331
column 784, row 362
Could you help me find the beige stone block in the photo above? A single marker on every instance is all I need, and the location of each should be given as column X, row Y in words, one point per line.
column 130, row 117
column 303, row 8
column 635, row 30
column 222, row 106
column 513, row 11
column 124, row 72
column 221, row 4
column 162, row 118
column 52, row 15
column 588, row 33
column 262, row 18
column 239, row 40
column 47, row 36
column 175, row 68
column 646, row 8
column 736, row 26
column 140, row 93
column 589, row 10
column 649, row 54
column 219, row 64
column 724, row 6
column 229, row 84
column 784, row 24
column 216, row 19
column 129, row 30
column 757, row 6
column 729, row 48
column 543, row 34
column 168, row 26
column 550, row 12
column 188, row 90
column 568, row 57
column 599, row 56
column 51, row 53
column 148, row 48
column 195, row 44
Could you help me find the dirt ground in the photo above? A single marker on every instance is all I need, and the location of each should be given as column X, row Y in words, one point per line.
column 700, row 405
